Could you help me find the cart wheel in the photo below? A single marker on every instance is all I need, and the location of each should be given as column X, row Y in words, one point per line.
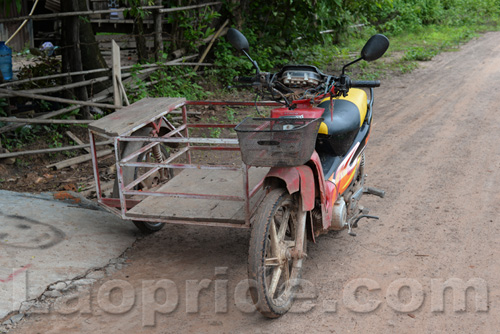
column 131, row 173
column 273, row 264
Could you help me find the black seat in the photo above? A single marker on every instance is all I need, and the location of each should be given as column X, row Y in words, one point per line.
column 346, row 117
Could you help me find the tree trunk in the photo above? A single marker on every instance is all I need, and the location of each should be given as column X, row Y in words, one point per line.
column 72, row 53
column 91, row 54
column 158, row 20
column 142, row 51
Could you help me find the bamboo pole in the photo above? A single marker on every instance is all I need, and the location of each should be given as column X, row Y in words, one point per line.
column 44, row 121
column 9, row 92
column 53, row 76
column 50, row 150
column 22, row 24
column 124, row 93
column 51, row 114
column 66, row 14
column 176, row 9
column 176, row 62
column 202, row 58
column 54, row 89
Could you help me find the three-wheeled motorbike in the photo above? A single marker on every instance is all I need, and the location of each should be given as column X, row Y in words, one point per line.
column 302, row 173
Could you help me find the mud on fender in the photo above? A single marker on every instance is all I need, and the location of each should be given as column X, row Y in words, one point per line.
column 299, row 178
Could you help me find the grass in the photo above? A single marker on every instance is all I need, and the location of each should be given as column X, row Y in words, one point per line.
column 404, row 53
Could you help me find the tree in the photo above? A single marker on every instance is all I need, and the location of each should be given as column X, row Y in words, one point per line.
column 139, row 14
column 80, row 50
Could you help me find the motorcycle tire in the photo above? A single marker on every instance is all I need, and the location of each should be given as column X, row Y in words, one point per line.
column 274, row 274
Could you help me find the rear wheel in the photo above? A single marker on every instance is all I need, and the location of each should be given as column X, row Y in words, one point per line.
column 274, row 263
column 131, row 173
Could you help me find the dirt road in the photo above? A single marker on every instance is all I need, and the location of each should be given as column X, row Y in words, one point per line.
column 434, row 150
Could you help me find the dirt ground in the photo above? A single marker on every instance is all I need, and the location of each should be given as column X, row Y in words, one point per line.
column 433, row 150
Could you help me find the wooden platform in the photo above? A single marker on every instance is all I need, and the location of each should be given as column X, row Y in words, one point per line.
column 125, row 121
column 216, row 182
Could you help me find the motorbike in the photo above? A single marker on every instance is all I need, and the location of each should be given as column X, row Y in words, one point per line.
column 315, row 146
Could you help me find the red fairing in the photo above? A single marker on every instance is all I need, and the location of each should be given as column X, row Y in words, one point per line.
column 304, row 110
column 327, row 191
column 298, row 178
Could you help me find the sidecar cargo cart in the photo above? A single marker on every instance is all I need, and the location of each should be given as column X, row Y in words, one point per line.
column 199, row 193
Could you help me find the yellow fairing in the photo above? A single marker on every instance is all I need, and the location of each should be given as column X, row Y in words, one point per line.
column 356, row 96
column 323, row 129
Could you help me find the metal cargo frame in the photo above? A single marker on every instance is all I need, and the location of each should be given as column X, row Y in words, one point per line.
column 152, row 113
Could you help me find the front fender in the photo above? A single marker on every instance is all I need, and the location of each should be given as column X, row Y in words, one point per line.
column 299, row 178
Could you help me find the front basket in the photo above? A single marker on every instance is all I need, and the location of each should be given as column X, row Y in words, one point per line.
column 277, row 142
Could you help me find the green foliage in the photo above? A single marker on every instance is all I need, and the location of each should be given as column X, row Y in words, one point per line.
column 191, row 26
column 135, row 9
column 168, row 81
column 419, row 53
column 231, row 115
column 411, row 15
column 215, row 132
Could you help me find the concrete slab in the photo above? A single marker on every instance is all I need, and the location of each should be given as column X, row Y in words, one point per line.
column 51, row 237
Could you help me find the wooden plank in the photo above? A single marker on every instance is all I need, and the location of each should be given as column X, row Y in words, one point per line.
column 197, row 181
column 135, row 116
column 117, row 74
column 79, row 159
column 77, row 140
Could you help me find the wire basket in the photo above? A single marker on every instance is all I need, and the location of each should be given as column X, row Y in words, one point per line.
column 277, row 142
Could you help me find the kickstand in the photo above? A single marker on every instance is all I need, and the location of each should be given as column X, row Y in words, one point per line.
column 355, row 223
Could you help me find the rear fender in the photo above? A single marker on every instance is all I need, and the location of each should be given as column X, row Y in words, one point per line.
column 299, row 178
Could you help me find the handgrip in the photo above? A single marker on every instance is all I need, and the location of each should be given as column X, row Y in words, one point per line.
column 244, row 79
column 365, row 83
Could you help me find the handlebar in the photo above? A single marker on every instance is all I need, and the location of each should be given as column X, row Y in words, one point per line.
column 329, row 86
column 365, row 83
column 249, row 80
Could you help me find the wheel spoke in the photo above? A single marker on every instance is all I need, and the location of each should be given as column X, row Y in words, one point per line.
column 274, row 281
column 272, row 262
column 287, row 274
column 275, row 247
column 284, row 225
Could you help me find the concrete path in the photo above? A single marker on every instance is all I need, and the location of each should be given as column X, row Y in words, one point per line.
column 51, row 237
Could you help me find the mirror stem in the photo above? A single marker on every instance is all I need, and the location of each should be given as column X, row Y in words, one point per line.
column 352, row 62
column 253, row 61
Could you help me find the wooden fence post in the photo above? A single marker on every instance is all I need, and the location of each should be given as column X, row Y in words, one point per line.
column 117, row 74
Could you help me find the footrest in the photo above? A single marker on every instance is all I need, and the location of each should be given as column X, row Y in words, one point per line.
column 374, row 191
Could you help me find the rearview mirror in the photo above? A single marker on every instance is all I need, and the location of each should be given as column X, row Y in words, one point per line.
column 238, row 40
column 375, row 47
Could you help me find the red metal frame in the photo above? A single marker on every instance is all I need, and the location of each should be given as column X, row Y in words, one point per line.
column 179, row 134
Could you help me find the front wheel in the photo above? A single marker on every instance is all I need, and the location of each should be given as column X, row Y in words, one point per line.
column 274, row 260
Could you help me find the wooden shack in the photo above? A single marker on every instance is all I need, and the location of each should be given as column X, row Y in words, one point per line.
column 25, row 36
